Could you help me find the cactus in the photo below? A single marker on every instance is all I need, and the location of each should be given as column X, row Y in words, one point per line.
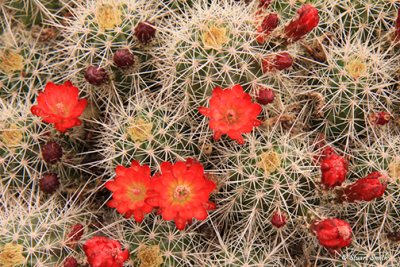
column 357, row 80
column 22, row 141
column 96, row 30
column 39, row 227
column 24, row 64
column 275, row 171
column 146, row 129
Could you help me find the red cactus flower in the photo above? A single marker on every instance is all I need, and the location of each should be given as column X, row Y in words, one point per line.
column 306, row 20
column 397, row 27
column 333, row 169
column 268, row 25
column 333, row 233
column 182, row 191
column 275, row 62
column 60, row 105
column 231, row 112
column 365, row 189
column 104, row 252
column 379, row 118
column 130, row 189
column 278, row 219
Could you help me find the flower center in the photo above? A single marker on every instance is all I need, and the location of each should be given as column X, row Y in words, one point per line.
column 230, row 116
column 181, row 192
column 137, row 193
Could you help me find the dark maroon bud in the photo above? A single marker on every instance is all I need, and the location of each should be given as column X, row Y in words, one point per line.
column 123, row 58
column 95, row 75
column 70, row 262
column 394, row 236
column 265, row 95
column 74, row 235
column 145, row 32
column 49, row 183
column 51, row 152
column 278, row 219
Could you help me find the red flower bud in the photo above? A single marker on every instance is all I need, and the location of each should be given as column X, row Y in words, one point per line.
column 365, row 189
column 104, row 252
column 333, row 233
column 379, row 118
column 96, row 75
column 305, row 21
column 51, row 152
column 145, row 32
column 49, row 183
column 333, row 169
column 279, row 61
column 123, row 58
column 70, row 262
column 268, row 25
column 397, row 27
column 278, row 219
column 265, row 95
column 74, row 235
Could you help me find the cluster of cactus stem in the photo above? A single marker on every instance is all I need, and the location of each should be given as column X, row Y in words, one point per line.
column 199, row 133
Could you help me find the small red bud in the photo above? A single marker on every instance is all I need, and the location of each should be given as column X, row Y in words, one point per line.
column 51, row 152
column 265, row 95
column 278, row 219
column 306, row 20
column 333, row 233
column 74, row 235
column 365, row 189
column 145, row 32
column 379, row 118
column 123, row 58
column 70, row 262
column 96, row 75
column 49, row 183
column 333, row 169
column 279, row 61
column 268, row 25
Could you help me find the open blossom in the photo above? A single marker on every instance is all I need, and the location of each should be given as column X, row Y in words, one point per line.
column 104, row 252
column 60, row 105
column 306, row 20
column 231, row 112
column 130, row 189
column 181, row 191
column 365, row 189
column 332, row 233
